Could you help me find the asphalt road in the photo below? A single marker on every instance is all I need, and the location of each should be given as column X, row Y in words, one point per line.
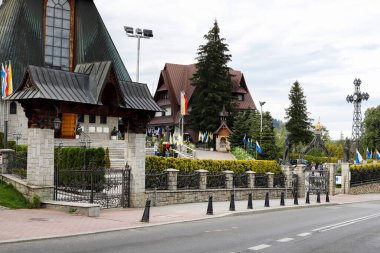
column 342, row 228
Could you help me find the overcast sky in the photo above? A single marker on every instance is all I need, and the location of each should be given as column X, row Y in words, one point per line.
column 324, row 44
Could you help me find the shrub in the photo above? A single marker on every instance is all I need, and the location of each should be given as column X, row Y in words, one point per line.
column 159, row 164
column 241, row 154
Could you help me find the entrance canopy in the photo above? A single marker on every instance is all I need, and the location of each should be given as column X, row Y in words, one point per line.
column 92, row 88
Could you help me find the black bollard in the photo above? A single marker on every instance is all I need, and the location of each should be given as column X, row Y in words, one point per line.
column 318, row 197
column 327, row 197
column 307, row 198
column 267, row 199
column 282, row 202
column 145, row 217
column 210, row 210
column 250, row 206
column 296, row 198
column 232, row 202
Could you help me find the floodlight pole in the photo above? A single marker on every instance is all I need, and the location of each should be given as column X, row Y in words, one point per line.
column 261, row 117
column 139, row 34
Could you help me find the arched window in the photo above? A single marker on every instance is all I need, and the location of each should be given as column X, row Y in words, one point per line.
column 57, row 38
column 13, row 108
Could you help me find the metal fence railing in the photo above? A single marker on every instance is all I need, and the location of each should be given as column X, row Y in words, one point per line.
column 156, row 181
column 188, row 181
column 241, row 180
column 279, row 181
column 261, row 181
column 365, row 176
column 216, row 180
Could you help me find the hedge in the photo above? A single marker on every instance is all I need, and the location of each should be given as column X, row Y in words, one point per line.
column 315, row 159
column 159, row 164
column 368, row 166
column 73, row 157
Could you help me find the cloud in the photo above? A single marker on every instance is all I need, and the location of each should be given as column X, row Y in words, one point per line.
column 323, row 44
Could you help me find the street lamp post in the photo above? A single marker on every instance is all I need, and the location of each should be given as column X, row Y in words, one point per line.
column 261, row 121
column 139, row 34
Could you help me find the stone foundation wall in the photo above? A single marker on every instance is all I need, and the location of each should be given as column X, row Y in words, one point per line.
column 162, row 198
column 44, row 192
column 365, row 188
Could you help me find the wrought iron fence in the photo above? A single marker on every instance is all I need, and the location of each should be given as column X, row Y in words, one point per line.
column 279, row 181
column 108, row 187
column 261, row 181
column 241, row 180
column 216, row 180
column 156, row 181
column 188, row 181
column 364, row 176
column 19, row 164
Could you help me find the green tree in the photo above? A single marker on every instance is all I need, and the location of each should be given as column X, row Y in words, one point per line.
column 268, row 139
column 212, row 81
column 298, row 124
column 371, row 135
column 240, row 128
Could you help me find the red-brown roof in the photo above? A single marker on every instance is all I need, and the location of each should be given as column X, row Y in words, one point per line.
column 176, row 78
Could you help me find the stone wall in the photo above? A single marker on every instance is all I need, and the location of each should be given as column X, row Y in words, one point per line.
column 44, row 192
column 162, row 198
column 365, row 188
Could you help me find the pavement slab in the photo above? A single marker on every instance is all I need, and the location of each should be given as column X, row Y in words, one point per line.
column 32, row 224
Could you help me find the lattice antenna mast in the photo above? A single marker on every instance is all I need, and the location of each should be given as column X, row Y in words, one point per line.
column 356, row 99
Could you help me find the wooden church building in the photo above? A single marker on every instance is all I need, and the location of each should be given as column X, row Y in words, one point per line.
column 60, row 50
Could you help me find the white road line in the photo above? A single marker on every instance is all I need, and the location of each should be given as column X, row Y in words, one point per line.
column 259, row 247
column 345, row 223
column 304, row 234
column 287, row 239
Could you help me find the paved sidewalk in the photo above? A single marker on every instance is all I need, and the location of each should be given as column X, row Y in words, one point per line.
column 31, row 224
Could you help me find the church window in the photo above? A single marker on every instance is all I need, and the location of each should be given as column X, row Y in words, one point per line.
column 57, row 37
column 13, row 108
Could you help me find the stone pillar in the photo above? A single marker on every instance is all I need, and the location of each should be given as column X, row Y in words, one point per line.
column 40, row 168
column 229, row 179
column 288, row 172
column 202, row 179
column 332, row 173
column 345, row 178
column 300, row 171
column 270, row 179
column 7, row 156
column 172, row 179
column 135, row 157
column 251, row 178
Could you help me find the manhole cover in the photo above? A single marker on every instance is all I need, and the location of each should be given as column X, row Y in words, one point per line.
column 38, row 219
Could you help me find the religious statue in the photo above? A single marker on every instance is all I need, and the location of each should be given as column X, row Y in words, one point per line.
column 346, row 152
column 287, row 145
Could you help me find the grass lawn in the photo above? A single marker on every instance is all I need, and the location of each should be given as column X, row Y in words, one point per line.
column 11, row 198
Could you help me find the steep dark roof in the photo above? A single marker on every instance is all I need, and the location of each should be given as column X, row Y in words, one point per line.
column 92, row 40
column 21, row 37
column 54, row 84
column 137, row 96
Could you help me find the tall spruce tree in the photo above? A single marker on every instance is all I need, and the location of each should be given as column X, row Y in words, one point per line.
column 268, row 139
column 298, row 124
column 212, row 82
column 240, row 128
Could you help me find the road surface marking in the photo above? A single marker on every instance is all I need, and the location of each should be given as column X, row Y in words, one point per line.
column 285, row 239
column 259, row 247
column 345, row 223
column 304, row 234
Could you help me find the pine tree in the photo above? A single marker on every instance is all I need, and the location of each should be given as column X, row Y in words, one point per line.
column 212, row 83
column 268, row 139
column 298, row 124
column 240, row 128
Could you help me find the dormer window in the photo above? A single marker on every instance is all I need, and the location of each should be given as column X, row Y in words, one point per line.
column 164, row 95
column 57, row 36
column 240, row 97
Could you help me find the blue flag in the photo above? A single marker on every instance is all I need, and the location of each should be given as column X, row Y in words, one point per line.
column 358, row 157
column 258, row 149
column 377, row 154
column 369, row 154
column 245, row 138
